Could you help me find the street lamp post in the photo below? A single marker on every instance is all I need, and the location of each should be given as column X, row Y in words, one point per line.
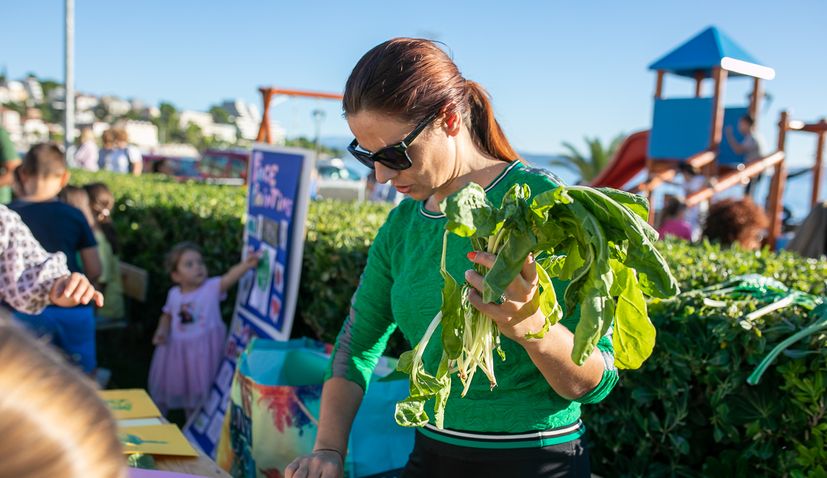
column 318, row 117
column 69, row 77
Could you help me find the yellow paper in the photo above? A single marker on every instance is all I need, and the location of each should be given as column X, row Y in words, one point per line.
column 132, row 403
column 155, row 440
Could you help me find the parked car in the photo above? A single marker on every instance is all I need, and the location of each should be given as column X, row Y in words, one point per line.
column 337, row 181
column 225, row 166
column 179, row 167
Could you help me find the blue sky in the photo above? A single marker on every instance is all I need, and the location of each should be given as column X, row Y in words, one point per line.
column 557, row 71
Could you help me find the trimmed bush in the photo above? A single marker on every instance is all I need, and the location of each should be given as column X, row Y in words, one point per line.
column 687, row 412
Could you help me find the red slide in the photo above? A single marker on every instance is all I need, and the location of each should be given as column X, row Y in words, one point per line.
column 629, row 160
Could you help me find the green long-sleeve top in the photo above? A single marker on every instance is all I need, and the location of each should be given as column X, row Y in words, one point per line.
column 401, row 287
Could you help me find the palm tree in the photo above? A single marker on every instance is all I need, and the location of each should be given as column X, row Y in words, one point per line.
column 591, row 164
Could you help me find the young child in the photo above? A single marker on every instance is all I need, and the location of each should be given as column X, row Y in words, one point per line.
column 190, row 334
column 52, row 421
column 673, row 222
column 59, row 228
column 30, row 277
column 102, row 203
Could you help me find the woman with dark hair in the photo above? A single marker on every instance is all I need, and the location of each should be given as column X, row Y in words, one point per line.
column 428, row 131
column 736, row 221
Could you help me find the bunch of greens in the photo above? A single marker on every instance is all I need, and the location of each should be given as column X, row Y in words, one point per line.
column 598, row 239
column 776, row 296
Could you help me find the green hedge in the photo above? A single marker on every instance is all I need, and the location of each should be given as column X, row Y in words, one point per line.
column 687, row 412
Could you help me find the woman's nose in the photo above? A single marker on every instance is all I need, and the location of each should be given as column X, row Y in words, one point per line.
column 384, row 173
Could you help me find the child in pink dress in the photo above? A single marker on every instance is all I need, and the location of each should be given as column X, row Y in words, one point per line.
column 190, row 335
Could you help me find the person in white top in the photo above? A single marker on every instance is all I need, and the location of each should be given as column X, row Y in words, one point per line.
column 86, row 156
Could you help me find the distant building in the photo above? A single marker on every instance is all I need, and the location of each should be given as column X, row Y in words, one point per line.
column 84, row 102
column 98, row 127
column 34, row 131
column 85, row 117
column 115, row 106
column 10, row 121
column 221, row 132
column 175, row 149
column 141, row 133
column 34, row 89
column 17, row 92
column 247, row 118
column 198, row 118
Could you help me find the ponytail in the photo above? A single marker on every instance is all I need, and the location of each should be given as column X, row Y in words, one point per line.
column 484, row 128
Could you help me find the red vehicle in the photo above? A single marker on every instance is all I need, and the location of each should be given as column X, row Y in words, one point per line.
column 224, row 165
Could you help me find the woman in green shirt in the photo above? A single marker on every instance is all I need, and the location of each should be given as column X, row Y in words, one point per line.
column 422, row 126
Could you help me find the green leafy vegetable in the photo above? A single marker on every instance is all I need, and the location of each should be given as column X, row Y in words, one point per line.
column 598, row 239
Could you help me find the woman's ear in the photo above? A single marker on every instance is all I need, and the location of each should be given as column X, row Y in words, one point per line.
column 453, row 122
column 64, row 179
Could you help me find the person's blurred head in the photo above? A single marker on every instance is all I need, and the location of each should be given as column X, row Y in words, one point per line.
column 43, row 172
column 78, row 198
column 87, row 135
column 732, row 221
column 673, row 207
column 108, row 139
column 102, row 203
column 121, row 138
column 52, row 422
column 745, row 124
column 186, row 265
column 163, row 166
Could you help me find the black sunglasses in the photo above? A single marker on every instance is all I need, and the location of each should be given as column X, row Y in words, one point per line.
column 394, row 156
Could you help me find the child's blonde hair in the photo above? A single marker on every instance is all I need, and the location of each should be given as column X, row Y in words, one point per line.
column 52, row 422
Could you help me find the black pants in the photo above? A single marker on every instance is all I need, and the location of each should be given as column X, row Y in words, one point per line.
column 434, row 459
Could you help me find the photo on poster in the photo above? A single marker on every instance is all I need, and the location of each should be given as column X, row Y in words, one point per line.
column 259, row 220
column 278, row 278
column 252, row 227
column 283, row 228
column 275, row 309
column 225, row 375
column 201, row 422
column 212, row 402
column 260, row 291
column 214, row 431
column 270, row 231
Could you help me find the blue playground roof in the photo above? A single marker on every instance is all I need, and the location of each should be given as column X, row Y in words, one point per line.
column 708, row 49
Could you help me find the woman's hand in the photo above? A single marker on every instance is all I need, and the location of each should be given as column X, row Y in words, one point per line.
column 74, row 289
column 519, row 313
column 320, row 463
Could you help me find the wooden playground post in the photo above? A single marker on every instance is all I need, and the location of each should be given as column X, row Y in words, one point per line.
column 264, row 127
column 719, row 75
column 649, row 163
column 822, row 135
column 699, row 78
column 659, row 84
column 267, row 94
column 779, row 177
column 757, row 93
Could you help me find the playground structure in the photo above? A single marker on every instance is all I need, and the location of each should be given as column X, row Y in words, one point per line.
column 687, row 132
column 820, row 130
column 267, row 95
